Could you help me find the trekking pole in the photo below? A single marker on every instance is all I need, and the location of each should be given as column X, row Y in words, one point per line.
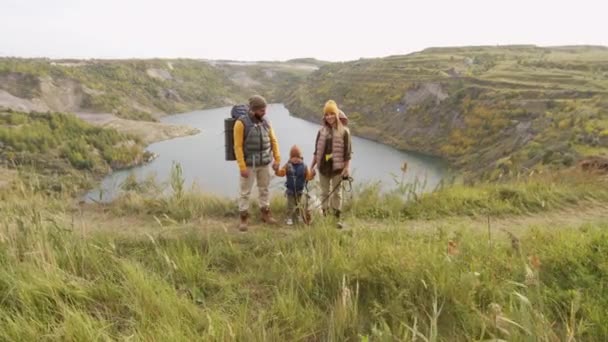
column 302, row 209
column 349, row 179
column 307, row 209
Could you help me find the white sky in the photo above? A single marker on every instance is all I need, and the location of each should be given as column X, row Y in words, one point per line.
column 283, row 29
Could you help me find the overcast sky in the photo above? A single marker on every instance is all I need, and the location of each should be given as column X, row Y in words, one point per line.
column 283, row 29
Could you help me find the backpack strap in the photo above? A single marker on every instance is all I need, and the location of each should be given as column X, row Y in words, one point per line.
column 246, row 120
column 266, row 123
column 248, row 123
column 290, row 168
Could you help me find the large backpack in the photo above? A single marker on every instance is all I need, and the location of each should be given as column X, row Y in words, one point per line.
column 236, row 113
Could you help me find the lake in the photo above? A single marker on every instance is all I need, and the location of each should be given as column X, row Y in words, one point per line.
column 203, row 162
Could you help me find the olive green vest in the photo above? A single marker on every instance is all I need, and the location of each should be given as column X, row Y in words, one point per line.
column 256, row 144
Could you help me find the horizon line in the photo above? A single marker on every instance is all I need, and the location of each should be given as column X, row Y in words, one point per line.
column 205, row 59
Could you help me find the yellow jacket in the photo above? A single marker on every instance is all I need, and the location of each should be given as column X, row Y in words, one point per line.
column 239, row 134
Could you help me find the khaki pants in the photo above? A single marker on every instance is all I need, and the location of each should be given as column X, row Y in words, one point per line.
column 261, row 175
column 294, row 205
column 327, row 185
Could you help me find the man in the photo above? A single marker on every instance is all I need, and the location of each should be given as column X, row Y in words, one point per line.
column 255, row 147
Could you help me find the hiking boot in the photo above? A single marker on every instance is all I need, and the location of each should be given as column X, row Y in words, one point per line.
column 244, row 221
column 267, row 217
column 308, row 217
column 339, row 223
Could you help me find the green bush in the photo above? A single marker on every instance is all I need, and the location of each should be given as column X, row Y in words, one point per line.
column 49, row 141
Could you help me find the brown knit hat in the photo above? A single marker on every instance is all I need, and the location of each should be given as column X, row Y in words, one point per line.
column 257, row 102
column 295, row 152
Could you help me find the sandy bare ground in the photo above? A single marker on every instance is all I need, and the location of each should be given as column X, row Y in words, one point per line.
column 96, row 118
column 64, row 98
column 149, row 131
column 8, row 100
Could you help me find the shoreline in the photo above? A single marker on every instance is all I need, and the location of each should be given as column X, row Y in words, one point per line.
column 375, row 139
column 439, row 164
column 150, row 132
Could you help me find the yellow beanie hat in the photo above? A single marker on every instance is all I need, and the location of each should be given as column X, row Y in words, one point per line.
column 331, row 107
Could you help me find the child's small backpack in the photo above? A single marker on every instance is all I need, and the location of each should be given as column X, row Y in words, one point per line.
column 296, row 178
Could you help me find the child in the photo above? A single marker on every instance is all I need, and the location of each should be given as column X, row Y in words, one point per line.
column 297, row 175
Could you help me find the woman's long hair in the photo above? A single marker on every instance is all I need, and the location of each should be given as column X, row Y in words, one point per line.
column 339, row 126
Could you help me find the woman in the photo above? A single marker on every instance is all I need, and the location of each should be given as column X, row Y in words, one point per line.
column 332, row 157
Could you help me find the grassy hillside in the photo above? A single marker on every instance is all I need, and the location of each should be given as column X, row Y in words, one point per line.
column 62, row 153
column 514, row 261
column 136, row 89
column 490, row 110
column 273, row 79
column 140, row 89
column 520, row 259
column 174, row 268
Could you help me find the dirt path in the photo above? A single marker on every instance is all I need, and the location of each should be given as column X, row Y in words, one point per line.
column 560, row 218
column 93, row 219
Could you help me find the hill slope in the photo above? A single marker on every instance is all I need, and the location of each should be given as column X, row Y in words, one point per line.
column 140, row 89
column 490, row 110
column 517, row 260
column 62, row 153
column 176, row 268
column 137, row 89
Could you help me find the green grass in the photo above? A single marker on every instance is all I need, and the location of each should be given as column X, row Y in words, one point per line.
column 57, row 283
column 591, row 151
column 59, row 152
column 529, row 195
column 67, row 275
